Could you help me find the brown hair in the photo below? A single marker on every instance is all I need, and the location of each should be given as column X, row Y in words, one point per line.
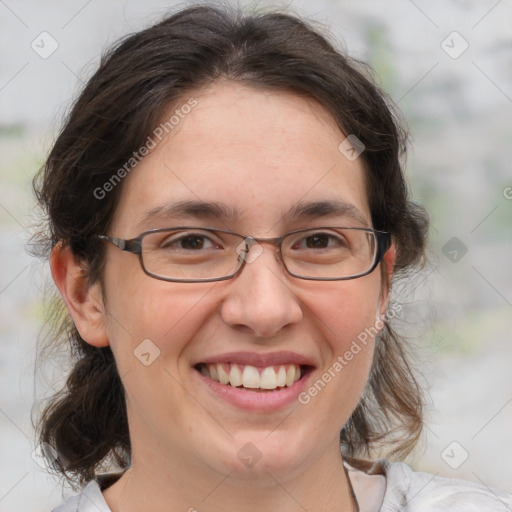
column 86, row 422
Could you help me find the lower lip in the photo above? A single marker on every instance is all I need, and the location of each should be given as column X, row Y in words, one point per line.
column 256, row 400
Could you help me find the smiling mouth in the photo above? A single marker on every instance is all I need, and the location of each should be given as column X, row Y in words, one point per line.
column 252, row 378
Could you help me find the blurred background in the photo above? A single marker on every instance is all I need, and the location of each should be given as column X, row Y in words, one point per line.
column 448, row 66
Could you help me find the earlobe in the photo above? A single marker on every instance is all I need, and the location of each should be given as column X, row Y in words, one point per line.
column 83, row 301
column 389, row 262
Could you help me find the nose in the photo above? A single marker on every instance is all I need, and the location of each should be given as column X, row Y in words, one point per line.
column 260, row 299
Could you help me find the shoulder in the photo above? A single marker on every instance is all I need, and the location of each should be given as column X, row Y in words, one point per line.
column 91, row 498
column 412, row 491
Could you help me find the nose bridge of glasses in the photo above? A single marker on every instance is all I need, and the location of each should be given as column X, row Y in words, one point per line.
column 252, row 248
column 253, row 240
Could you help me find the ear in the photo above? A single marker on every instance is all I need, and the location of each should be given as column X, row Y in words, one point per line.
column 388, row 263
column 84, row 302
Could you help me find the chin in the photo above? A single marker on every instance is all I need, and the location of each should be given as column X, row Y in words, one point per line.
column 261, row 459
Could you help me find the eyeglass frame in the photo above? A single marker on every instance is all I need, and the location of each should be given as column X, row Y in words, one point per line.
column 134, row 246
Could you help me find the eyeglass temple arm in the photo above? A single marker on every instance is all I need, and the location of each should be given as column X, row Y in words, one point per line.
column 133, row 245
column 384, row 242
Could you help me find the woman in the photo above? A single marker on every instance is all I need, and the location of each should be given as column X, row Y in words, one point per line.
column 227, row 216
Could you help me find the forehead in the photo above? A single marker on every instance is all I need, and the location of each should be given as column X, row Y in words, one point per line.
column 260, row 155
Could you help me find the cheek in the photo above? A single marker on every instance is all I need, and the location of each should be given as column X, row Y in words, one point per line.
column 347, row 318
column 149, row 331
column 145, row 315
column 348, row 309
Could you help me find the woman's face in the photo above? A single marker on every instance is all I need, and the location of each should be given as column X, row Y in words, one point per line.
column 258, row 154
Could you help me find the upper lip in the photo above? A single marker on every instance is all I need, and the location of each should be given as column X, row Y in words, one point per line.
column 258, row 359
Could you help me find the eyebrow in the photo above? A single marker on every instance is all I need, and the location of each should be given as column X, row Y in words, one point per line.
column 202, row 210
column 308, row 210
column 198, row 209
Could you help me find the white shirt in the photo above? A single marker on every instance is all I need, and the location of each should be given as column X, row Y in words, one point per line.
column 383, row 486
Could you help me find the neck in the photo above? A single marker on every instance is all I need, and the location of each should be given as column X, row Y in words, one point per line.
column 322, row 486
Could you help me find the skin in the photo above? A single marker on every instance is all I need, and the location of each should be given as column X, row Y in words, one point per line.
column 258, row 152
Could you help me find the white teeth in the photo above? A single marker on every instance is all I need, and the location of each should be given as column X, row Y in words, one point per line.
column 223, row 375
column 235, row 376
column 281, row 377
column 268, row 379
column 290, row 375
column 213, row 372
column 250, row 377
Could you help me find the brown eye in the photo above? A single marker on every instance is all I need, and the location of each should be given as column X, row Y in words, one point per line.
column 188, row 242
column 320, row 240
column 317, row 241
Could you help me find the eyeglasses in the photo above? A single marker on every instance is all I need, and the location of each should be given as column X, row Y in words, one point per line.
column 198, row 254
